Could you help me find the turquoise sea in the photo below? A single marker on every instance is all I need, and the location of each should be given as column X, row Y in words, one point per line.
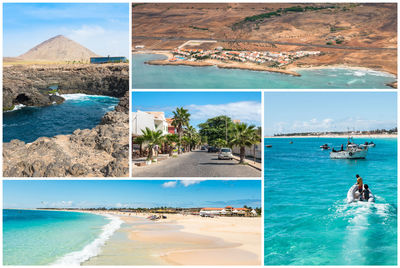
column 307, row 218
column 77, row 111
column 145, row 76
column 33, row 237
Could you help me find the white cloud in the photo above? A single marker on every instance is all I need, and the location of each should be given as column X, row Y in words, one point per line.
column 245, row 111
column 86, row 31
column 60, row 204
column 187, row 183
column 329, row 124
column 169, row 184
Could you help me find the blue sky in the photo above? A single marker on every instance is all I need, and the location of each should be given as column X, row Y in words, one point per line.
column 126, row 193
column 102, row 28
column 245, row 106
column 328, row 111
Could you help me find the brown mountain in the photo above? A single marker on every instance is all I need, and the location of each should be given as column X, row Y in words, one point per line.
column 58, row 48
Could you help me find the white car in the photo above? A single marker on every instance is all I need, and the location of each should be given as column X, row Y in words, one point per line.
column 225, row 153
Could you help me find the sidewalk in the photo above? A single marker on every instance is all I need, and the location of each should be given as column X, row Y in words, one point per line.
column 140, row 162
column 249, row 162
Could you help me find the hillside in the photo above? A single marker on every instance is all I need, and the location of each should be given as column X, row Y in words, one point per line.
column 358, row 25
column 58, row 48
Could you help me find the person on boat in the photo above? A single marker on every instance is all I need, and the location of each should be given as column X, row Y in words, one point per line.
column 365, row 194
column 341, row 148
column 359, row 183
column 333, row 149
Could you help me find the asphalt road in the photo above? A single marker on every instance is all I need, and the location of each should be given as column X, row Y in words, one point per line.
column 196, row 164
column 261, row 41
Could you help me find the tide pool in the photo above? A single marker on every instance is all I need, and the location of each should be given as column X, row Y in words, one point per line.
column 307, row 218
column 33, row 237
column 145, row 76
column 78, row 111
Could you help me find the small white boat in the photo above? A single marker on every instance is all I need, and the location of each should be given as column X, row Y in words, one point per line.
column 325, row 147
column 352, row 152
column 353, row 195
column 371, row 144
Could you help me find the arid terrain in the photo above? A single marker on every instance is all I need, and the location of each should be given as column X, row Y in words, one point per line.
column 351, row 34
column 98, row 152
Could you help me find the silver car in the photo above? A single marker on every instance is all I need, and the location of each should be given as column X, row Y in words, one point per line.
column 225, row 153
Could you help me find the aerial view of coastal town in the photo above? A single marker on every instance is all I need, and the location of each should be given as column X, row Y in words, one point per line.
column 65, row 90
column 264, row 45
column 338, row 166
column 196, row 134
column 123, row 222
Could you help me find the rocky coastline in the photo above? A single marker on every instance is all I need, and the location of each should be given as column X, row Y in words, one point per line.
column 102, row 151
column 30, row 84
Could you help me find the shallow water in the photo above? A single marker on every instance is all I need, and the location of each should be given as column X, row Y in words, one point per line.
column 188, row 77
column 42, row 237
column 79, row 111
column 307, row 218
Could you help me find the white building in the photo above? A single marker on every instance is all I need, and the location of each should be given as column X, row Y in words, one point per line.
column 151, row 120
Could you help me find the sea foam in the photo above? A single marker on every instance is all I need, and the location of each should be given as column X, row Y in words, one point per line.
column 94, row 248
column 81, row 96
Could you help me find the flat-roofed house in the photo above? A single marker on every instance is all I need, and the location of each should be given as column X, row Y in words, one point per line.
column 160, row 122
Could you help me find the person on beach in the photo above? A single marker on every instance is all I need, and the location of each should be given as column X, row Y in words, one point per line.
column 360, row 183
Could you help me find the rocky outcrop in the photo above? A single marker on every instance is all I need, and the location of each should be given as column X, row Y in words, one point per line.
column 29, row 85
column 99, row 152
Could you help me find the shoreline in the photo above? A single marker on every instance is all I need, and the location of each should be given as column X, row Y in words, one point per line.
column 373, row 136
column 291, row 70
column 184, row 240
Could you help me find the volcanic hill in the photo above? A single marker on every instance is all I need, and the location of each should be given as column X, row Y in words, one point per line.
column 58, row 48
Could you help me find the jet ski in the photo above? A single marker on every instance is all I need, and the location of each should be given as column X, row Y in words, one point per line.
column 353, row 195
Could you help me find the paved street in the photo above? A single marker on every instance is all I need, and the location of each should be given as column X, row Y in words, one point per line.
column 196, row 164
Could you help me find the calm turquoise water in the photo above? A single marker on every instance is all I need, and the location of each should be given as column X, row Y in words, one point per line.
column 187, row 77
column 42, row 237
column 307, row 219
column 78, row 111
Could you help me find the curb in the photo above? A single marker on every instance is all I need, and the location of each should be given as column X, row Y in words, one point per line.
column 249, row 164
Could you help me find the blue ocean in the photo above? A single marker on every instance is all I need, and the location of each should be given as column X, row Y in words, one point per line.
column 33, row 237
column 79, row 111
column 145, row 76
column 307, row 218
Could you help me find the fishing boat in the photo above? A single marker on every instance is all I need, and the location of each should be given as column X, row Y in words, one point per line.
column 352, row 152
column 268, row 146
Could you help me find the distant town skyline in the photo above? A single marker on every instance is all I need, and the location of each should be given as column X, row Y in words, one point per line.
column 243, row 106
column 294, row 112
column 129, row 193
column 102, row 28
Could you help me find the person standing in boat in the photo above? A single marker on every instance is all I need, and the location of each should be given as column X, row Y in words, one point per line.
column 341, row 148
column 359, row 183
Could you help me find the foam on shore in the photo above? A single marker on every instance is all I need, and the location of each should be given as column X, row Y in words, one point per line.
column 94, row 248
column 82, row 97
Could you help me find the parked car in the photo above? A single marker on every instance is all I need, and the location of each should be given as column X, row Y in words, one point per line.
column 225, row 153
column 203, row 148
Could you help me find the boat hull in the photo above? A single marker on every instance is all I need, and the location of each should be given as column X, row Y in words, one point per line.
column 348, row 154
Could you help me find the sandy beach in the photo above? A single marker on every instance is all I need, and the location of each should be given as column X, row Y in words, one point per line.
column 182, row 240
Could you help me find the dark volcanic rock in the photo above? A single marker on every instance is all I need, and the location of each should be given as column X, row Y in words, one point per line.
column 29, row 85
column 101, row 151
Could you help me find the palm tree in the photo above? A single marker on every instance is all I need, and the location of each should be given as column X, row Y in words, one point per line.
column 152, row 138
column 244, row 135
column 180, row 120
column 191, row 133
column 169, row 140
column 139, row 140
